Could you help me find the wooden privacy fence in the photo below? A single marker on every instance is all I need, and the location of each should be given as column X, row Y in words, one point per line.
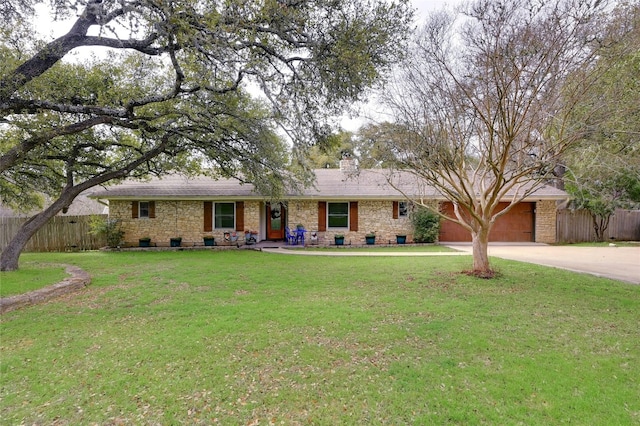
column 62, row 233
column 574, row 226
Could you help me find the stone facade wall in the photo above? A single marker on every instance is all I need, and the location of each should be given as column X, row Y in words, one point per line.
column 183, row 219
column 186, row 219
column 373, row 216
column 303, row 212
column 252, row 211
column 172, row 219
column 545, row 227
column 377, row 217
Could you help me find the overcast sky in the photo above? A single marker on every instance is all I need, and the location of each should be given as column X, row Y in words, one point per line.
column 423, row 7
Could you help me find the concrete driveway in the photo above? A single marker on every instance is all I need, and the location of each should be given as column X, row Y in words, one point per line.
column 618, row 263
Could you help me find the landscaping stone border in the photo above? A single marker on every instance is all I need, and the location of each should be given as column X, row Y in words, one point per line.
column 77, row 280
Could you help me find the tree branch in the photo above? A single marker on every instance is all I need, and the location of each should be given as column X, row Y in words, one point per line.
column 142, row 46
column 17, row 106
column 48, row 56
column 15, row 154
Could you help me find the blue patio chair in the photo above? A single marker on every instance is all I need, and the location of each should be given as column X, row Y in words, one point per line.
column 292, row 238
column 300, row 235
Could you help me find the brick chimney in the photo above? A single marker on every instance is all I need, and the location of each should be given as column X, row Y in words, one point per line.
column 348, row 164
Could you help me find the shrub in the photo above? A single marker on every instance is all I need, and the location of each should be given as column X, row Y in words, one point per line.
column 426, row 225
column 109, row 229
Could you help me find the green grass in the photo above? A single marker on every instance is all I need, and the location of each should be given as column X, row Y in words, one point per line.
column 32, row 276
column 418, row 248
column 242, row 337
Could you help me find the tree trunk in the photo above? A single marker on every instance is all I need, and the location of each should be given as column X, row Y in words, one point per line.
column 480, row 242
column 11, row 253
column 600, row 225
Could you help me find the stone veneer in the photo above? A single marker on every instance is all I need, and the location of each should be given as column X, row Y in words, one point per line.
column 373, row 216
column 545, row 227
column 185, row 219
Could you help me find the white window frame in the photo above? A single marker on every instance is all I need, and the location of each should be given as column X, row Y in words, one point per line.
column 403, row 209
column 143, row 212
column 329, row 203
column 215, row 204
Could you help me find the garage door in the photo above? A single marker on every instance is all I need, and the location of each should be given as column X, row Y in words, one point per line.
column 515, row 226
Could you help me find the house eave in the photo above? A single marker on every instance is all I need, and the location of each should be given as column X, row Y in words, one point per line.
column 399, row 197
column 330, row 185
column 176, row 197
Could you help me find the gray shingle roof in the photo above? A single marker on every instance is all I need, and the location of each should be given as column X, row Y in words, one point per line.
column 330, row 184
column 80, row 206
column 176, row 187
column 373, row 184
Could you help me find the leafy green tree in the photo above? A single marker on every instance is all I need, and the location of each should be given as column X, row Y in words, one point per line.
column 176, row 90
column 376, row 144
column 328, row 153
column 615, row 190
column 603, row 169
column 368, row 146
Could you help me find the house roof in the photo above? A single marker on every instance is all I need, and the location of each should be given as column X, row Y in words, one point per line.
column 81, row 205
column 330, row 184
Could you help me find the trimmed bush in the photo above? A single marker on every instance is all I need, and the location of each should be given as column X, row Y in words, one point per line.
column 426, row 225
column 109, row 229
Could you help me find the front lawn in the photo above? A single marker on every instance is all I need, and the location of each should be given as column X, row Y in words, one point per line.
column 242, row 337
column 31, row 276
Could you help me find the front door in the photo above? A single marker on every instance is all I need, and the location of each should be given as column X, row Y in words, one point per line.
column 276, row 218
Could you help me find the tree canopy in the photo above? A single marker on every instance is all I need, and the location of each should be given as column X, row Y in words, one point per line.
column 484, row 103
column 368, row 146
column 184, row 84
column 603, row 168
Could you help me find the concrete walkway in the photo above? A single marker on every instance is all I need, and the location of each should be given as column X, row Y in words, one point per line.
column 618, row 263
column 377, row 252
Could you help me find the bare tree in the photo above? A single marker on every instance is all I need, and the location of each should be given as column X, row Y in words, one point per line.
column 484, row 103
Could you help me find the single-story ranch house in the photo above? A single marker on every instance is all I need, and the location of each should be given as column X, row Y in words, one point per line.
column 341, row 202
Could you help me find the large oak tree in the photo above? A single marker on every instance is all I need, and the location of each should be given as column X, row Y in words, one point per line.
column 177, row 89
